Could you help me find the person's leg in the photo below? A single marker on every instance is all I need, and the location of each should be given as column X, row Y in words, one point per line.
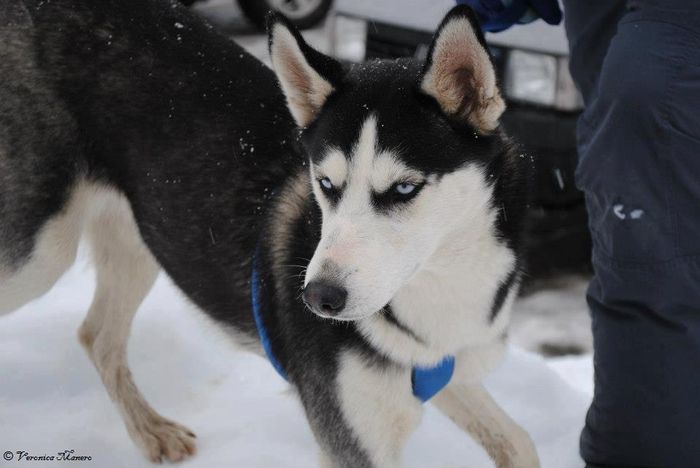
column 639, row 150
column 590, row 26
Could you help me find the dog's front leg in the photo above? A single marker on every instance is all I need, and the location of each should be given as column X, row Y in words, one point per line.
column 471, row 407
column 362, row 420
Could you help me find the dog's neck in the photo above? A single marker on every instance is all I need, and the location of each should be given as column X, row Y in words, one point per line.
column 447, row 304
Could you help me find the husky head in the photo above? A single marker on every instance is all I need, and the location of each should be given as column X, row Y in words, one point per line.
column 400, row 158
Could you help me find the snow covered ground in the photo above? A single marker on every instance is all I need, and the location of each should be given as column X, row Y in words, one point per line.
column 51, row 398
column 554, row 320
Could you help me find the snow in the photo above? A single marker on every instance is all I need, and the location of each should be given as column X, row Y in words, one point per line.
column 554, row 317
column 577, row 371
column 51, row 398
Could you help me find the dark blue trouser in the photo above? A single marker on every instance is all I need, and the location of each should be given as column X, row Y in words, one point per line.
column 638, row 65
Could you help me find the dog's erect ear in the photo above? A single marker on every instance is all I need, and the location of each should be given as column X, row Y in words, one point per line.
column 307, row 76
column 459, row 74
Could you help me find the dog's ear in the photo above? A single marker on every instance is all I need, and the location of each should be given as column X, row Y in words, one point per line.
column 307, row 76
column 459, row 74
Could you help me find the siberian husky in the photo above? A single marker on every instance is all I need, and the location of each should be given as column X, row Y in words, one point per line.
column 362, row 225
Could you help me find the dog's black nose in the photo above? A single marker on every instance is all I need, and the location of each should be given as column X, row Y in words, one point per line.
column 324, row 298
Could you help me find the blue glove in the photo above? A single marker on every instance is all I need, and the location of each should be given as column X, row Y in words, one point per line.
column 498, row 15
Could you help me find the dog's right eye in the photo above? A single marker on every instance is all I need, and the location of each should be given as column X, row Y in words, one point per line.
column 329, row 190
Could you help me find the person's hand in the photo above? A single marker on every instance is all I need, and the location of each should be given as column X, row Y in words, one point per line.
column 498, row 15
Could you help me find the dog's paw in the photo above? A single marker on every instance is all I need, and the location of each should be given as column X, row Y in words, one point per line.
column 164, row 440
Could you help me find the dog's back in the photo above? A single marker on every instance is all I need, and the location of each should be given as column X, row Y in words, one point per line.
column 145, row 100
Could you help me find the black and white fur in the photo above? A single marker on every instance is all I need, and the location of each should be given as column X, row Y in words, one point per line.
column 132, row 124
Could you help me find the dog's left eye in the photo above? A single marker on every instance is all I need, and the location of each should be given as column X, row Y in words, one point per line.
column 403, row 191
column 404, row 188
column 398, row 194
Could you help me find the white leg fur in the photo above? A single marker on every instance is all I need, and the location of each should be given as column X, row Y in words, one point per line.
column 125, row 273
column 54, row 252
column 471, row 407
column 325, row 461
column 379, row 407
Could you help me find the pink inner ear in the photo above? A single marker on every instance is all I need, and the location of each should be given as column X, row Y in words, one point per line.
column 296, row 74
column 305, row 89
column 456, row 76
column 461, row 77
column 464, row 80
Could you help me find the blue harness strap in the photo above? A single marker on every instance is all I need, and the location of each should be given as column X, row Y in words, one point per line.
column 428, row 381
column 262, row 331
column 425, row 381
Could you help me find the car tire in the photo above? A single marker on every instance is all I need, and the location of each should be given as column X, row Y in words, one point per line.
column 313, row 12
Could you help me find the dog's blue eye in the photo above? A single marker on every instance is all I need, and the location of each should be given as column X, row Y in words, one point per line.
column 405, row 188
column 330, row 191
column 398, row 194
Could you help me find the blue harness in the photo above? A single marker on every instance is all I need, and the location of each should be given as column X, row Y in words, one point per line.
column 425, row 381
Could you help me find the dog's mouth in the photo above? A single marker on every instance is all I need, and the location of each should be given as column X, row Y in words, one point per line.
column 336, row 318
column 347, row 317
